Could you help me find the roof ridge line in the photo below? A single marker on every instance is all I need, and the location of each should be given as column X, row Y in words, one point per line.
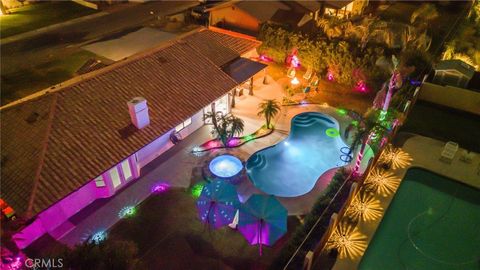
column 43, row 152
column 233, row 33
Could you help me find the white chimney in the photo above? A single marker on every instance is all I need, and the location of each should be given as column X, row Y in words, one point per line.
column 138, row 110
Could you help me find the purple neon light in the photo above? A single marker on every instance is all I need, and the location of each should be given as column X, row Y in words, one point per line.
column 160, row 188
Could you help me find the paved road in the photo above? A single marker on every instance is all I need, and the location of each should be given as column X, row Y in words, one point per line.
column 66, row 40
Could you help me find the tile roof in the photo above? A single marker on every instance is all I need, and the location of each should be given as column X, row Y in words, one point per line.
column 54, row 143
column 219, row 45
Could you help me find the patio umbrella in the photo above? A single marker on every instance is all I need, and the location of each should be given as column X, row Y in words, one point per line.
column 262, row 220
column 218, row 203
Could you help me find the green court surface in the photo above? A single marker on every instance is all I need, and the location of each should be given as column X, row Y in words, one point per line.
column 432, row 223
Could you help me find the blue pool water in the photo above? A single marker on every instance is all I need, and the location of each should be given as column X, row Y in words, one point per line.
column 292, row 167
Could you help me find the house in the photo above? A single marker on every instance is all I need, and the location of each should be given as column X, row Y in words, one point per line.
column 248, row 16
column 90, row 137
column 245, row 16
column 343, row 9
column 454, row 73
column 453, row 84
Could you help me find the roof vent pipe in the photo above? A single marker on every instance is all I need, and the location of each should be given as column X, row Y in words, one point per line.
column 138, row 109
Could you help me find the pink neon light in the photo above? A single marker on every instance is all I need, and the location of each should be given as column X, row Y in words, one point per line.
column 233, row 142
column 265, row 58
column 330, row 76
column 295, row 61
column 213, row 144
column 160, row 188
column 361, row 86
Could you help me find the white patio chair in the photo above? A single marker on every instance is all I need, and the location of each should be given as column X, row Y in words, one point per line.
column 449, row 151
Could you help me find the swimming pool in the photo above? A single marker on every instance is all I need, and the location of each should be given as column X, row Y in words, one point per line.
column 291, row 167
column 432, row 223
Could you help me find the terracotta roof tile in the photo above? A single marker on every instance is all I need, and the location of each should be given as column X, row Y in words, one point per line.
column 219, row 46
column 84, row 138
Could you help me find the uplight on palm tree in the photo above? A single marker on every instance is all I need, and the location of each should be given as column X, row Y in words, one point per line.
column 225, row 127
column 269, row 108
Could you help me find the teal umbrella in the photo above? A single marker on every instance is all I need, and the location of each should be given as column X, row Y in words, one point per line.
column 262, row 220
column 218, row 203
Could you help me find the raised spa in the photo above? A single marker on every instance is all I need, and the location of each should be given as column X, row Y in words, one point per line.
column 225, row 166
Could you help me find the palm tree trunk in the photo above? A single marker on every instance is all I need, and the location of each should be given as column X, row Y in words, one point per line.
column 234, row 92
column 360, row 155
column 388, row 96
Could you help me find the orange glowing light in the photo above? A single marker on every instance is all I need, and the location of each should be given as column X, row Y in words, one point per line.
column 295, row 81
column 364, row 207
column 382, row 182
column 396, row 157
column 348, row 241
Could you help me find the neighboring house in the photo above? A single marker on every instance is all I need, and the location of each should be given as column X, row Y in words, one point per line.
column 90, row 137
column 453, row 72
column 453, row 84
column 343, row 8
column 248, row 16
column 245, row 16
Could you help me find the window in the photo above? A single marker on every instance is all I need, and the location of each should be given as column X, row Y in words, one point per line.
column 127, row 173
column 115, row 177
column 183, row 125
column 99, row 182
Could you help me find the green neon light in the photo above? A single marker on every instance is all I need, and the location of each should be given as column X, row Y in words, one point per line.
column 382, row 115
column 197, row 190
column 342, row 111
column 332, row 132
column 127, row 211
column 249, row 137
column 355, row 123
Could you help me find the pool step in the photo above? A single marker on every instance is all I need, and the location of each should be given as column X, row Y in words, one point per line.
column 257, row 162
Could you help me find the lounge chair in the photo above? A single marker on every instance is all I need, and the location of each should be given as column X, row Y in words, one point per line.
column 449, row 151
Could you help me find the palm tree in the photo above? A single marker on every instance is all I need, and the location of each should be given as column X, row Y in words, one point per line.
column 369, row 29
column 269, row 108
column 368, row 128
column 225, row 126
column 332, row 27
column 424, row 14
column 236, row 126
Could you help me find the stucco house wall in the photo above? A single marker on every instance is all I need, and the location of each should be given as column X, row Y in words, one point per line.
column 232, row 15
column 450, row 96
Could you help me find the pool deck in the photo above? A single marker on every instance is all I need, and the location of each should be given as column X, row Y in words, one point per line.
column 421, row 152
column 178, row 165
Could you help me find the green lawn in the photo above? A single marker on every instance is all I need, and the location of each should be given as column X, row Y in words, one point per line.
column 169, row 235
column 34, row 16
column 444, row 124
column 21, row 83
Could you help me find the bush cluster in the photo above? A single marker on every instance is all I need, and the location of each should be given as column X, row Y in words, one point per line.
column 347, row 62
